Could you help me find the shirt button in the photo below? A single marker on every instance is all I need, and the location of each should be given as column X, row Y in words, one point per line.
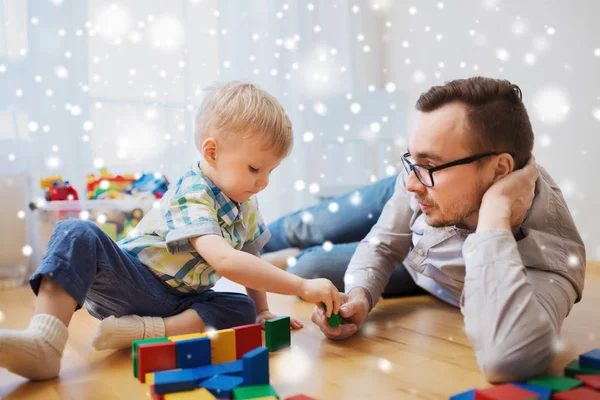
column 420, row 251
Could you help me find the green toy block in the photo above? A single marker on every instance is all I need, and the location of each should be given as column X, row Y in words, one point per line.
column 254, row 392
column 574, row 368
column 277, row 333
column 335, row 319
column 556, row 383
column 134, row 350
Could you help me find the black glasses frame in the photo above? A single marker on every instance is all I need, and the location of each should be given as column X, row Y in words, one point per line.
column 408, row 166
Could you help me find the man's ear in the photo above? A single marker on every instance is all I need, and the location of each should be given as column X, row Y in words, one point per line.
column 209, row 151
column 503, row 166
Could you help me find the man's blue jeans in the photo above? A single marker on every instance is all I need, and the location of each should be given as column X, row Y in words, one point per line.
column 309, row 228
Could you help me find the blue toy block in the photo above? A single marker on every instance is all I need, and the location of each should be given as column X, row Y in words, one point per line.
column 174, row 381
column 193, row 352
column 591, row 359
column 206, row 371
column 221, row 386
column 256, row 367
column 468, row 395
column 544, row 392
column 231, row 368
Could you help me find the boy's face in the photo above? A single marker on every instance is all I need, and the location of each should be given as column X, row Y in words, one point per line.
column 242, row 168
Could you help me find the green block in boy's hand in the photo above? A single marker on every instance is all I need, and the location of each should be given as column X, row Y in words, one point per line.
column 334, row 320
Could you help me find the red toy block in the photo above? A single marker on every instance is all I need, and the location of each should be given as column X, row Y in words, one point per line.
column 505, row 392
column 156, row 357
column 247, row 337
column 592, row 381
column 581, row 393
column 300, row 397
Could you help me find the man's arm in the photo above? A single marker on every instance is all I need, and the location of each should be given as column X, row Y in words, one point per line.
column 512, row 315
column 383, row 249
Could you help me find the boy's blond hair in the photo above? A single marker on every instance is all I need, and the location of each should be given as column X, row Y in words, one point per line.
column 242, row 108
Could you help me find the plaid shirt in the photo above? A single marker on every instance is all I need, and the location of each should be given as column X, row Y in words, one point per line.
column 193, row 207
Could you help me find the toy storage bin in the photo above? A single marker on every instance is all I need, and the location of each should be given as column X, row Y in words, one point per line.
column 115, row 217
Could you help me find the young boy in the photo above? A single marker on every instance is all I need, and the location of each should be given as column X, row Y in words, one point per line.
column 208, row 226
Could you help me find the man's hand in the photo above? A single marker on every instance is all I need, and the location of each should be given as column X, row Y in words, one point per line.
column 267, row 315
column 506, row 202
column 354, row 311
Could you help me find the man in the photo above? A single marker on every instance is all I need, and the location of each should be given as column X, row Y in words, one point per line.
column 476, row 224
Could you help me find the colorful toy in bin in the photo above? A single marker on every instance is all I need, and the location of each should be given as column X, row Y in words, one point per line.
column 108, row 186
column 157, row 185
column 55, row 189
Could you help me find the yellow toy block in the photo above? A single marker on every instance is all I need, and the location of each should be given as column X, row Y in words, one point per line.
column 187, row 336
column 197, row 394
column 150, row 378
column 222, row 346
column 267, row 398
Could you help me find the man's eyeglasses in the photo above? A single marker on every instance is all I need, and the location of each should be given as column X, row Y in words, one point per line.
column 424, row 173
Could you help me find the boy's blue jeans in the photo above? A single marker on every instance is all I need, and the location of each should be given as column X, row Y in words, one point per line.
column 357, row 213
column 92, row 269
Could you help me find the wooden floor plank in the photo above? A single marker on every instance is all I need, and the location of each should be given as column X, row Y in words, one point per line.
column 412, row 348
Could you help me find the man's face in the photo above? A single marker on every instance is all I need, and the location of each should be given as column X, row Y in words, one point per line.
column 439, row 137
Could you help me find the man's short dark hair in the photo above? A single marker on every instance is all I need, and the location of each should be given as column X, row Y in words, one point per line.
column 496, row 114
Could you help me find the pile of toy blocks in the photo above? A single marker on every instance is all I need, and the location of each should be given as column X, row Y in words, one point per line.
column 225, row 364
column 581, row 381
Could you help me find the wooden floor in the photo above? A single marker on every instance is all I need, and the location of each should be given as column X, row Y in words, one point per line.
column 413, row 348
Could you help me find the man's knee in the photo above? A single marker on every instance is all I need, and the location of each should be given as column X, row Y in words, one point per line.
column 77, row 228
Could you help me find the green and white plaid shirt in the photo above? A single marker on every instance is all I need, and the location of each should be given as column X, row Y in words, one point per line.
column 193, row 207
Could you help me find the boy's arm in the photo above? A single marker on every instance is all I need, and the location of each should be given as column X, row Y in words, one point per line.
column 246, row 269
column 253, row 272
column 259, row 297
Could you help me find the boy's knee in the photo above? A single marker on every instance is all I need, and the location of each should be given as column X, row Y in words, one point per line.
column 76, row 227
column 246, row 311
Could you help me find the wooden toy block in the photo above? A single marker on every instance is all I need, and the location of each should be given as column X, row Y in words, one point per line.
column 193, row 352
column 247, row 337
column 156, row 357
column 154, row 395
column 335, row 320
column 277, row 333
column 232, row 368
column 591, row 359
column 556, row 383
column 300, row 397
column 254, row 392
column 197, row 394
column 466, row 395
column 575, row 368
column 187, row 336
column 149, row 378
column 505, row 392
column 267, row 398
column 134, row 350
column 222, row 346
column 174, row 381
column 256, row 367
column 592, row 381
column 207, row 371
column 582, row 393
column 221, row 386
column 544, row 392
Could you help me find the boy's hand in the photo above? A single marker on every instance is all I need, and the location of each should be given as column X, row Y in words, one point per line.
column 321, row 290
column 267, row 315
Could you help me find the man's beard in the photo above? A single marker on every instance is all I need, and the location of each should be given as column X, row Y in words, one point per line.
column 456, row 214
